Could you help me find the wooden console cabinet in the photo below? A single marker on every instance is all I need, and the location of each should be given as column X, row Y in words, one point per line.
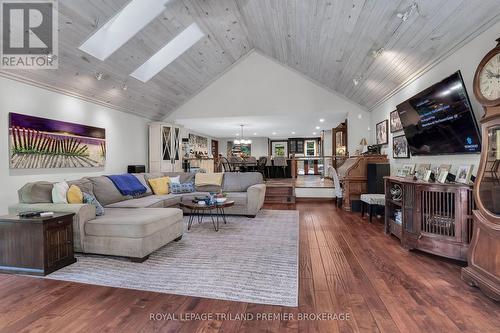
column 436, row 218
column 38, row 246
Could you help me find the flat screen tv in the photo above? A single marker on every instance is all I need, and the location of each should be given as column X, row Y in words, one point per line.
column 440, row 120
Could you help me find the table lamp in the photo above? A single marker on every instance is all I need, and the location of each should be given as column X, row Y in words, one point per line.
column 364, row 145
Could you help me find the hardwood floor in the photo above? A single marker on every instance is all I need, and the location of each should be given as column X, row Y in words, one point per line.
column 346, row 266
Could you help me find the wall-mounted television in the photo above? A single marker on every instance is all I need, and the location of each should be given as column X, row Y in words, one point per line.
column 440, row 120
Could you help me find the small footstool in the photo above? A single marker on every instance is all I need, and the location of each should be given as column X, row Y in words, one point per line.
column 371, row 200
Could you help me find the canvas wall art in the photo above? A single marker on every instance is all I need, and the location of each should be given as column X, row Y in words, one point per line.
column 198, row 144
column 240, row 150
column 36, row 142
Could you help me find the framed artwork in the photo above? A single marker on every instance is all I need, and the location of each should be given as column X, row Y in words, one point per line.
column 421, row 170
column 427, row 175
column 279, row 148
column 400, row 148
column 36, row 143
column 243, row 150
column 198, row 144
column 396, row 125
column 464, row 173
column 442, row 176
column 410, row 168
column 382, row 132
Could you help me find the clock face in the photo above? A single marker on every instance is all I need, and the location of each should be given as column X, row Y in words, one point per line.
column 489, row 79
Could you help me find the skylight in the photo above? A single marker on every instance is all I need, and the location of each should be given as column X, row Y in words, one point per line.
column 121, row 27
column 161, row 59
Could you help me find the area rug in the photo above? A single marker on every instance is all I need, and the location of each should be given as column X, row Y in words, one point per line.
column 248, row 260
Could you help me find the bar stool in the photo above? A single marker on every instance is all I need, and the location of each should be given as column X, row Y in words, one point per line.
column 280, row 161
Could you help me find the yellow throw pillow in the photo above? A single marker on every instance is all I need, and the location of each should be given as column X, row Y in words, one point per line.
column 202, row 179
column 74, row 195
column 159, row 185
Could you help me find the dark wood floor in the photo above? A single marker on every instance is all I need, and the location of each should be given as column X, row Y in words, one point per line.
column 346, row 266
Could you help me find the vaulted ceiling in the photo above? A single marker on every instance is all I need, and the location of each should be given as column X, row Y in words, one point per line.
column 329, row 41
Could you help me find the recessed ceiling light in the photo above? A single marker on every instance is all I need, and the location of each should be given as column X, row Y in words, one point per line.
column 99, row 76
column 355, row 81
column 293, row 132
column 274, row 133
column 161, row 59
column 255, row 134
column 122, row 27
column 317, row 127
column 314, row 133
column 237, row 134
column 409, row 12
column 124, row 86
column 322, row 120
column 360, row 116
column 377, row 53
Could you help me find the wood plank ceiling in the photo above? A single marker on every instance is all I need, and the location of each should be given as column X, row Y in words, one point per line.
column 330, row 41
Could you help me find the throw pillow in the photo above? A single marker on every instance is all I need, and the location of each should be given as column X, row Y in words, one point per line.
column 175, row 180
column 182, row 188
column 74, row 195
column 159, row 185
column 91, row 200
column 202, row 179
column 59, row 192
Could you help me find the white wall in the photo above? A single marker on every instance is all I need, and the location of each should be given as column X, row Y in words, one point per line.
column 464, row 59
column 126, row 135
column 267, row 97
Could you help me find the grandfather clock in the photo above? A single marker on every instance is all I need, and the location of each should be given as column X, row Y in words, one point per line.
column 483, row 270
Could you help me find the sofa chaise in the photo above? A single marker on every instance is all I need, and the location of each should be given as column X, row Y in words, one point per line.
column 136, row 227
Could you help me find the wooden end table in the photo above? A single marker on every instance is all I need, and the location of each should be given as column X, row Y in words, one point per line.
column 199, row 211
column 36, row 245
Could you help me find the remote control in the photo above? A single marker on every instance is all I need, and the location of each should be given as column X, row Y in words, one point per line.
column 46, row 214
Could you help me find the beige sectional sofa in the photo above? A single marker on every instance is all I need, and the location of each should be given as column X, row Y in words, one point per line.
column 136, row 227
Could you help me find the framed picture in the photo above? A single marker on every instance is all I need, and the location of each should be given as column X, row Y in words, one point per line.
column 402, row 172
column 382, row 132
column 396, row 125
column 400, row 147
column 410, row 168
column 279, row 148
column 442, row 176
column 427, row 175
column 421, row 169
column 36, row 143
column 464, row 173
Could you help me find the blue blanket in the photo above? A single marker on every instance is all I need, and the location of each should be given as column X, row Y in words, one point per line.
column 128, row 184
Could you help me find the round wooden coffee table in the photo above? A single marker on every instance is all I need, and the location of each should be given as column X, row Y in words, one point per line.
column 199, row 211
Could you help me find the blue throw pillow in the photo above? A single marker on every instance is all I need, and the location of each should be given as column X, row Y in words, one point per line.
column 182, row 188
column 91, row 200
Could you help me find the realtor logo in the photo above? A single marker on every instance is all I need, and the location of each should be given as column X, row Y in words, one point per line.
column 29, row 34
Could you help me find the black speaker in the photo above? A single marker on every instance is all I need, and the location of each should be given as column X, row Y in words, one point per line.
column 375, row 177
column 136, row 169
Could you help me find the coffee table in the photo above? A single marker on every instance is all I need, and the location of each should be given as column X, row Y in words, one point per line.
column 199, row 211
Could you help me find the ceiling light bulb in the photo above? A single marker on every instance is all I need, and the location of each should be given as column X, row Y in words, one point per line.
column 124, row 87
column 317, row 127
column 355, row 81
column 322, row 120
column 314, row 133
column 293, row 132
column 377, row 53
